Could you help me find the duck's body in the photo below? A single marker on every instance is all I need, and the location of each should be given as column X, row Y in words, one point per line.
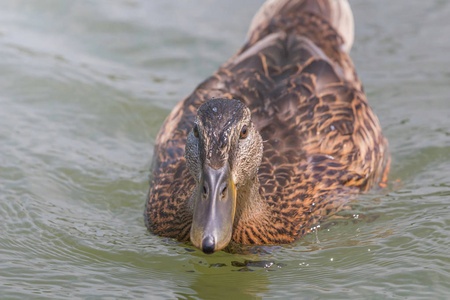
column 322, row 144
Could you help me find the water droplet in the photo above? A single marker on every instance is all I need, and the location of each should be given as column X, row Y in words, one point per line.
column 303, row 264
column 214, row 109
column 331, row 259
column 332, row 127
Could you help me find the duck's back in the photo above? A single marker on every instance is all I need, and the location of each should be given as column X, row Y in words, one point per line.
column 321, row 139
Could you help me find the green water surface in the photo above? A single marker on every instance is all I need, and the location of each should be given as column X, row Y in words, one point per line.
column 84, row 88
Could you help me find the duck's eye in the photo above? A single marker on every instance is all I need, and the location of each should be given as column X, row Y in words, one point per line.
column 195, row 130
column 244, row 132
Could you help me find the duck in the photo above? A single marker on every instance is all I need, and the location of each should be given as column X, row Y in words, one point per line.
column 280, row 138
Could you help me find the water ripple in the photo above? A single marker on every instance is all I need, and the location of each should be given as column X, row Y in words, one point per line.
column 85, row 88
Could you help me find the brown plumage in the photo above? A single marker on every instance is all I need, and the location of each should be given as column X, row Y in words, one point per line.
column 321, row 143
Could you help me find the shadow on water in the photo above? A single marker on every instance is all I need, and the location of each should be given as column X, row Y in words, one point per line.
column 212, row 277
column 210, row 285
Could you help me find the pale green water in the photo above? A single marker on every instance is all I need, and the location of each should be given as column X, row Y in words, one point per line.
column 85, row 86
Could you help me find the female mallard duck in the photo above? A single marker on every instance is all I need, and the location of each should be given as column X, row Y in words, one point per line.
column 278, row 138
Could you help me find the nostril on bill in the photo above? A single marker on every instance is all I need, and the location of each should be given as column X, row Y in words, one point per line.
column 224, row 191
column 205, row 190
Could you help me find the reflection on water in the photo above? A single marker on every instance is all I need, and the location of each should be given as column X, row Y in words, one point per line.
column 85, row 87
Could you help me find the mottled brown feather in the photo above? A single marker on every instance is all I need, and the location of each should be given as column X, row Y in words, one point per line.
column 322, row 142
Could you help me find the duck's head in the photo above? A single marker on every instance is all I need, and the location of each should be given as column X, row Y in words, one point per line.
column 223, row 153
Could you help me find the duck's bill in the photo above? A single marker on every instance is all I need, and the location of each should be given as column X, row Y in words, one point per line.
column 214, row 209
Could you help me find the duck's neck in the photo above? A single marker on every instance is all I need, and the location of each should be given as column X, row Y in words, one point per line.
column 253, row 215
column 249, row 203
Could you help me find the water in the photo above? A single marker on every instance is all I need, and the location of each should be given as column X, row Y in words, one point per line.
column 85, row 86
